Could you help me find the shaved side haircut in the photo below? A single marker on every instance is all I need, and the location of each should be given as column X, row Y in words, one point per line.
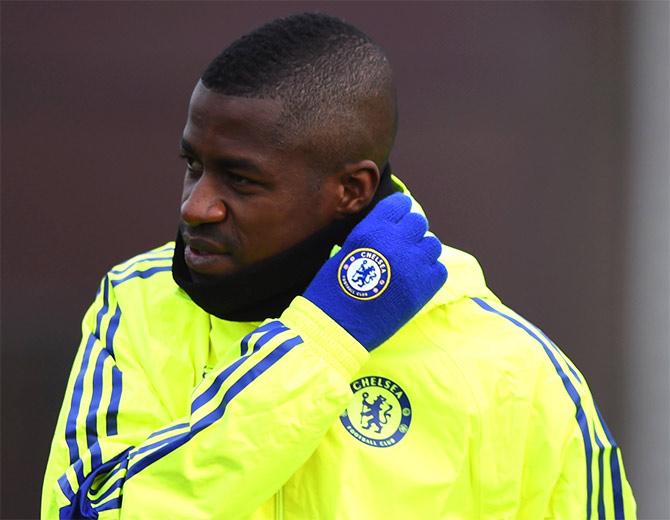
column 335, row 85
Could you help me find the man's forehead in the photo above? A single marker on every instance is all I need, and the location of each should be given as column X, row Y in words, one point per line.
column 251, row 129
column 208, row 107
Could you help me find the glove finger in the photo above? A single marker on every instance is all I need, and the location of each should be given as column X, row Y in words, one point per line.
column 439, row 275
column 432, row 247
column 414, row 226
column 392, row 208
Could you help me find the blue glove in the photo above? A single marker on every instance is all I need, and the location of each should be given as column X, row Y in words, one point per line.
column 385, row 272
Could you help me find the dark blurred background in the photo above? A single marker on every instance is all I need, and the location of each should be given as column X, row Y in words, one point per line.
column 534, row 134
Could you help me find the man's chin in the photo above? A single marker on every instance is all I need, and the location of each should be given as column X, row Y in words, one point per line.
column 209, row 266
column 212, row 277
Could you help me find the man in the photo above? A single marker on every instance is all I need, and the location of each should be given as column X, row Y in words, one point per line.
column 306, row 348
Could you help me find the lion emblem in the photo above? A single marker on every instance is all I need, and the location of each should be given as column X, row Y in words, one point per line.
column 372, row 413
column 364, row 274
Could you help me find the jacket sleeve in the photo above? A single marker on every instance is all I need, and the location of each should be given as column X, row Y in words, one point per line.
column 590, row 481
column 550, row 455
column 572, row 466
column 251, row 424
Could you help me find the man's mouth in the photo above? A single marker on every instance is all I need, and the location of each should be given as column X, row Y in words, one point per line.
column 206, row 257
column 202, row 246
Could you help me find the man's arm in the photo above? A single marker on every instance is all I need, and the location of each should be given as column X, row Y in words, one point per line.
column 251, row 423
column 570, row 466
column 591, row 481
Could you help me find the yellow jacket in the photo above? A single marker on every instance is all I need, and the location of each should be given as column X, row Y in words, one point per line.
column 469, row 412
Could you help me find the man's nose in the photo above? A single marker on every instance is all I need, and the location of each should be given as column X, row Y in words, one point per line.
column 204, row 203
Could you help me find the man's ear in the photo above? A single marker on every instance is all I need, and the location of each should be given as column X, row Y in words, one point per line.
column 358, row 184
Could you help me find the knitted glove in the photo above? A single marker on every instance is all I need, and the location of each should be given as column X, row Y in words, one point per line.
column 385, row 272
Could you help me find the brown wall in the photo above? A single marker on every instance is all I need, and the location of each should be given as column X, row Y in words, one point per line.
column 512, row 131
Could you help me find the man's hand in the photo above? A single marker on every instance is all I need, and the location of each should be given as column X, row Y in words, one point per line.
column 386, row 271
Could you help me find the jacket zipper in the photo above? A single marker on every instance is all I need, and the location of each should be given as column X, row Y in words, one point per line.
column 279, row 505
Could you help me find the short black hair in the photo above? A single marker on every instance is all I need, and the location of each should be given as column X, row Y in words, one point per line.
column 334, row 82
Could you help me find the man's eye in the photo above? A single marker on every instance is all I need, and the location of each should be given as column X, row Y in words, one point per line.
column 238, row 180
column 192, row 164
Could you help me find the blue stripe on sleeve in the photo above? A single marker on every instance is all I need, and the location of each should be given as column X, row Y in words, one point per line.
column 121, row 466
column 168, row 429
column 96, row 397
column 219, row 380
column 250, row 376
column 152, row 259
column 148, row 273
column 111, row 330
column 570, row 389
column 92, row 417
column 269, row 335
column 615, row 470
column 117, row 379
column 208, row 394
column 574, row 372
column 162, row 442
column 117, row 485
column 601, row 471
column 244, row 344
column 112, row 409
column 112, row 504
column 556, row 350
column 105, row 307
column 563, row 356
column 149, row 256
column 65, row 487
column 114, row 402
column 80, row 506
column 71, row 423
column 616, row 484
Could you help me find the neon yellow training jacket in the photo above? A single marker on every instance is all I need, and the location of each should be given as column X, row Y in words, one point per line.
column 469, row 412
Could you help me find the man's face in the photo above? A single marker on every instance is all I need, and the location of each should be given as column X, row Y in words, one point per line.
column 245, row 197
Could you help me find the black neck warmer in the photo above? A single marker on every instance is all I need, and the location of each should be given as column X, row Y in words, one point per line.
column 264, row 290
